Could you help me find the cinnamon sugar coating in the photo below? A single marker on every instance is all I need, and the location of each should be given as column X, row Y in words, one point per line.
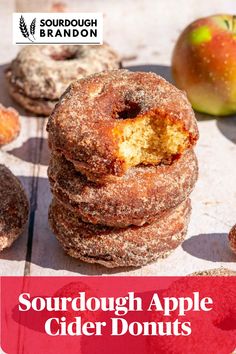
column 39, row 75
column 138, row 197
column 85, row 124
column 14, row 208
column 115, row 247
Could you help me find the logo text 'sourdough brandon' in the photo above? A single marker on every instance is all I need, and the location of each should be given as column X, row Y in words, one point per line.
column 53, row 28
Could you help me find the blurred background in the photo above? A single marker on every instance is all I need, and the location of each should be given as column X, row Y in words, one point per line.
column 143, row 31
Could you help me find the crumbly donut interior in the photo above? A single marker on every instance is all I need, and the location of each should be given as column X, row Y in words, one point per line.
column 149, row 140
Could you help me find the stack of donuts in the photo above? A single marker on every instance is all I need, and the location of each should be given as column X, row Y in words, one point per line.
column 122, row 168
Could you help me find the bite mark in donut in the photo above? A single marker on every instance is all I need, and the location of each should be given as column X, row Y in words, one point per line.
column 150, row 139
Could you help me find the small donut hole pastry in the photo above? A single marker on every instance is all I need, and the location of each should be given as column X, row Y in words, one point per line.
column 14, row 208
column 114, row 120
column 136, row 198
column 40, row 74
column 9, row 125
column 119, row 247
column 232, row 239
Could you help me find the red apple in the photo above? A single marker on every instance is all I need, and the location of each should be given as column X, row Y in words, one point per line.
column 204, row 64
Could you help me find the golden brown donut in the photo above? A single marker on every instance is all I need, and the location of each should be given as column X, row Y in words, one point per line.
column 118, row 119
column 232, row 238
column 40, row 73
column 9, row 125
column 138, row 197
column 114, row 247
column 14, row 208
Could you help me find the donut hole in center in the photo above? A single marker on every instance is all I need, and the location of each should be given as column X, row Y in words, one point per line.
column 150, row 139
column 64, row 55
column 131, row 110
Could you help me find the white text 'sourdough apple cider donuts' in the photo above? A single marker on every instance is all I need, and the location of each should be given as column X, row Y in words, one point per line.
column 122, row 168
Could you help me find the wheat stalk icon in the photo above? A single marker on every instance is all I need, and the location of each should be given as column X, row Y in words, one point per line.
column 32, row 27
column 24, row 29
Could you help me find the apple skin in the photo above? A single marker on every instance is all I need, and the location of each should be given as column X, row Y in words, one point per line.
column 204, row 64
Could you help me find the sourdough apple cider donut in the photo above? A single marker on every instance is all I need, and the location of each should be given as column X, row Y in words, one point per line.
column 14, row 208
column 108, row 122
column 118, row 247
column 135, row 198
column 40, row 74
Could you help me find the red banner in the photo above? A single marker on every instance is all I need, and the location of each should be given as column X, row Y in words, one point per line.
column 118, row 315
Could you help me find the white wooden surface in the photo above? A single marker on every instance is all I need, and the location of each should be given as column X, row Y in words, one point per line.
column 144, row 33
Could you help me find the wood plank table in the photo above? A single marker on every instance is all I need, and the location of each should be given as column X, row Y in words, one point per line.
column 144, row 33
